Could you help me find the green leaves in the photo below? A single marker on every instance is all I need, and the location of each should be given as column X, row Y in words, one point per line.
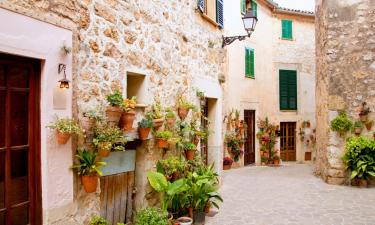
column 157, row 181
column 87, row 164
column 115, row 99
column 341, row 124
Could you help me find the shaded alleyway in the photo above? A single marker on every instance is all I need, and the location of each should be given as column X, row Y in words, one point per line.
column 290, row 195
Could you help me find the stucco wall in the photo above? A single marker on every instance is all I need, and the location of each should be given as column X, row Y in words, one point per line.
column 271, row 54
column 345, row 75
column 167, row 41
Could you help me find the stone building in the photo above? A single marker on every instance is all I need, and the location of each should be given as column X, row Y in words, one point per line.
column 345, row 75
column 144, row 48
column 282, row 45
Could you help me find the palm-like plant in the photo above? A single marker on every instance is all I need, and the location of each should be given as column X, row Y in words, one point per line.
column 87, row 164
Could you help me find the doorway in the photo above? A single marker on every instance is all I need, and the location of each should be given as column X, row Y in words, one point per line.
column 288, row 141
column 249, row 151
column 20, row 189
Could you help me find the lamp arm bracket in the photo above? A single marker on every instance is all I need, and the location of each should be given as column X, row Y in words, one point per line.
column 229, row 40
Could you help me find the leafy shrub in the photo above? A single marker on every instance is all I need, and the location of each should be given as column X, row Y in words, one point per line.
column 87, row 164
column 341, row 124
column 108, row 134
column 171, row 165
column 359, row 157
column 165, row 135
column 97, row 220
column 65, row 125
column 94, row 114
column 115, row 99
column 190, row 146
column 151, row 216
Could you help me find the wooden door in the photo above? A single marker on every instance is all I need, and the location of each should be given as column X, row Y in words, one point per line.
column 288, row 141
column 19, row 141
column 249, row 152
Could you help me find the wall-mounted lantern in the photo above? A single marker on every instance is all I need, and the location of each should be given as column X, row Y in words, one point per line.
column 64, row 83
column 249, row 23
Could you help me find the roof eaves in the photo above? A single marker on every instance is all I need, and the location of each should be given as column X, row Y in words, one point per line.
column 294, row 11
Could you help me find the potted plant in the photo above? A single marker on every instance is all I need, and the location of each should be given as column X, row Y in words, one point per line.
column 105, row 137
column 144, row 128
column 264, row 160
column 151, row 216
column 369, row 124
column 89, row 119
column 190, row 150
column 185, row 220
column 359, row 159
column 358, row 127
column 184, row 107
column 162, row 138
column 341, row 124
column 114, row 110
column 64, row 128
column 363, row 114
column 157, row 114
column 170, row 117
column 88, row 167
column 172, row 167
column 276, row 160
column 128, row 115
column 227, row 163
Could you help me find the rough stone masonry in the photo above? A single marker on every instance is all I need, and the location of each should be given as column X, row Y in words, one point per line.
column 345, row 75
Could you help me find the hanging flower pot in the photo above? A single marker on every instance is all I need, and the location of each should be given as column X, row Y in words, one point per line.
column 87, row 124
column 196, row 140
column 113, row 114
column 90, row 183
column 157, row 123
column 127, row 120
column 170, row 121
column 190, row 154
column 363, row 117
column 143, row 133
column 62, row 138
column 162, row 143
column 183, row 112
column 104, row 148
column 369, row 124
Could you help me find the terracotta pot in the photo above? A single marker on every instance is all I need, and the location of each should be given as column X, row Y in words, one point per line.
column 190, row 154
column 62, row 138
column 127, row 120
column 183, row 112
column 227, row 167
column 113, row 114
column 162, row 143
column 90, row 183
column 363, row 118
column 369, row 125
column 171, row 121
column 196, row 140
column 190, row 212
column 229, row 149
column 207, row 208
column 157, row 123
column 357, row 130
column 276, row 161
column 104, row 149
column 143, row 133
column 87, row 124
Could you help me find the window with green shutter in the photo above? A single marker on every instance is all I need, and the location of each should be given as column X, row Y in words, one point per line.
column 243, row 6
column 287, row 29
column 288, row 89
column 249, row 63
column 254, row 8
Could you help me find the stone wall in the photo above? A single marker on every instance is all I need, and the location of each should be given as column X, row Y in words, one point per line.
column 167, row 41
column 345, row 74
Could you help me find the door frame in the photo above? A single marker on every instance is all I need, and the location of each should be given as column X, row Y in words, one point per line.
column 34, row 134
column 248, row 161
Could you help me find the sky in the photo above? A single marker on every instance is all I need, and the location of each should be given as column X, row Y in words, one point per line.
column 297, row 4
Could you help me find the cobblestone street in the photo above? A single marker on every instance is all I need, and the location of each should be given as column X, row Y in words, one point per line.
column 290, row 195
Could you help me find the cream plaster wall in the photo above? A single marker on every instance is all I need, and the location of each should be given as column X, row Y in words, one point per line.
column 24, row 36
column 271, row 54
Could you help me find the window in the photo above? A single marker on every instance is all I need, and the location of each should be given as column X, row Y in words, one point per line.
column 287, row 31
column 249, row 63
column 212, row 10
column 288, row 89
column 247, row 5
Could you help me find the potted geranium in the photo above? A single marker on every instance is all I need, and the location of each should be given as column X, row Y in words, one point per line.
column 88, row 167
column 358, row 127
column 227, row 163
column 184, row 107
column 190, row 150
column 162, row 138
column 64, row 128
column 170, row 117
column 105, row 137
column 128, row 115
column 144, row 128
column 114, row 110
column 89, row 119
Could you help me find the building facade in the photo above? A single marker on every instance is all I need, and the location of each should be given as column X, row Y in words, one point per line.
column 272, row 74
column 345, row 76
column 143, row 48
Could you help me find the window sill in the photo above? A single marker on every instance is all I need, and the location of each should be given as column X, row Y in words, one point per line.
column 288, row 110
column 209, row 20
column 253, row 78
column 287, row 39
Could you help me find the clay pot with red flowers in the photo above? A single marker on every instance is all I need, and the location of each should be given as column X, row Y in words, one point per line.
column 162, row 138
column 144, row 128
column 64, row 128
column 190, row 150
column 88, row 168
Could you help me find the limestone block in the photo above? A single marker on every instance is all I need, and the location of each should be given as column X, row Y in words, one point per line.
column 104, row 12
column 336, row 102
column 336, row 173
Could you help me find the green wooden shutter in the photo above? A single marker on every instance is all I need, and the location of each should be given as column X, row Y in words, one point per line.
column 247, row 62
column 243, row 6
column 287, row 29
column 288, row 89
column 254, row 8
column 290, row 29
column 252, row 65
column 220, row 13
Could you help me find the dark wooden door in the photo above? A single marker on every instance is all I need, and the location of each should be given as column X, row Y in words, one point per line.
column 19, row 141
column 288, row 141
column 249, row 152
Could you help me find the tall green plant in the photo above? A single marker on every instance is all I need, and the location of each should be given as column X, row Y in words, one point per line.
column 87, row 164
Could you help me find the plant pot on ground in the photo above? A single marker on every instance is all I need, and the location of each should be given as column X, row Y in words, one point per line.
column 170, row 117
column 88, row 167
column 207, row 208
column 190, row 150
column 64, row 128
column 128, row 115
column 144, row 128
column 162, row 138
column 114, row 110
column 227, row 163
column 185, row 221
column 359, row 183
column 276, row 160
column 363, row 114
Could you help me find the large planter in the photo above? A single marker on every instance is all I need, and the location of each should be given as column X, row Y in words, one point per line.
column 127, row 120
column 190, row 154
column 62, row 138
column 90, row 183
column 87, row 124
column 143, row 133
column 185, row 221
column 199, row 218
column 113, row 114
column 182, row 112
column 162, row 143
column 227, row 167
column 104, row 148
column 157, row 123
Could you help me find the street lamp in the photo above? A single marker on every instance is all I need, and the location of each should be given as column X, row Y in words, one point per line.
column 249, row 22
